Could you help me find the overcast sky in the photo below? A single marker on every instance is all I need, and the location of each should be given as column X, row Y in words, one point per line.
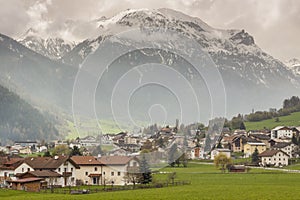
column 275, row 24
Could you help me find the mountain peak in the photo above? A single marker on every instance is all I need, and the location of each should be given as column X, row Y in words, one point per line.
column 294, row 65
column 51, row 47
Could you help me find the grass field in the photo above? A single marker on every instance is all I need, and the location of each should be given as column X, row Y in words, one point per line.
column 290, row 120
column 207, row 183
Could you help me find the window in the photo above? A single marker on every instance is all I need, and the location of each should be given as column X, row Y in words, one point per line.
column 65, row 170
column 112, row 173
column 58, row 169
column 22, row 169
column 134, row 164
column 103, row 173
column 28, row 169
column 119, row 173
column 86, row 173
column 96, row 169
column 71, row 169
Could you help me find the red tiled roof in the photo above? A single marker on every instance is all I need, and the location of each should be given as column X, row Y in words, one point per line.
column 85, row 160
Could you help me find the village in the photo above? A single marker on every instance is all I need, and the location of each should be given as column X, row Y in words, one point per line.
column 90, row 164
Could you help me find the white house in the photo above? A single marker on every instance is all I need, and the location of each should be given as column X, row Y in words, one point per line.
column 286, row 147
column 281, row 132
column 10, row 167
column 89, row 170
column 195, row 153
column 60, row 164
column 274, row 158
column 115, row 169
column 216, row 152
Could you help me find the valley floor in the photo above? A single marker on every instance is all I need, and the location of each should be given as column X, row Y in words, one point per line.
column 207, row 183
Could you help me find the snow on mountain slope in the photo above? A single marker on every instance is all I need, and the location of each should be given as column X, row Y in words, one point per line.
column 294, row 65
column 231, row 50
column 51, row 47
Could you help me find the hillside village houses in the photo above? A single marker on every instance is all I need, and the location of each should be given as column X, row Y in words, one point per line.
column 275, row 148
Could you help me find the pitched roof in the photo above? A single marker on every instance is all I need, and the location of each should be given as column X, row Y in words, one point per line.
column 46, row 162
column 27, row 180
column 281, row 145
column 270, row 153
column 116, row 160
column 85, row 160
column 41, row 174
column 11, row 163
column 280, row 127
column 261, row 136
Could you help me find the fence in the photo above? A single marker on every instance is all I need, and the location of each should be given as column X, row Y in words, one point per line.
column 111, row 188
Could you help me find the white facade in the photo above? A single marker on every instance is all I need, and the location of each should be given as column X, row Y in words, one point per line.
column 115, row 174
column 216, row 152
column 84, row 174
column 288, row 149
column 278, row 159
column 24, row 167
column 281, row 132
column 68, row 170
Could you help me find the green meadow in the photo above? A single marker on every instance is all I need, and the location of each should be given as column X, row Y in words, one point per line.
column 207, row 182
column 291, row 120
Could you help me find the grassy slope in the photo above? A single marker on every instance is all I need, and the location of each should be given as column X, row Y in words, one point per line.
column 290, row 120
column 207, row 183
column 91, row 127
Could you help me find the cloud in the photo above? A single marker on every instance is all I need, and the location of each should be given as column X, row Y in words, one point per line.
column 37, row 15
column 268, row 21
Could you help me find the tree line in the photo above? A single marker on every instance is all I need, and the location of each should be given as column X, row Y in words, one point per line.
column 20, row 121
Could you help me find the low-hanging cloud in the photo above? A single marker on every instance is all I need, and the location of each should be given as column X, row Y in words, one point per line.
column 267, row 20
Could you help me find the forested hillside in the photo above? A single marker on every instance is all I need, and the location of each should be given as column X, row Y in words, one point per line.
column 20, row 121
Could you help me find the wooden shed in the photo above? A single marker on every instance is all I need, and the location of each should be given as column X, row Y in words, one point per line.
column 237, row 168
column 27, row 184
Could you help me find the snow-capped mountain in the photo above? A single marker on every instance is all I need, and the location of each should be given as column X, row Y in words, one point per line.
column 231, row 50
column 244, row 66
column 252, row 78
column 294, row 65
column 51, row 47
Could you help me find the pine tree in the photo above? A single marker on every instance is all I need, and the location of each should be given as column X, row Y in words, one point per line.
column 146, row 174
column 242, row 126
column 75, row 151
column 255, row 158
